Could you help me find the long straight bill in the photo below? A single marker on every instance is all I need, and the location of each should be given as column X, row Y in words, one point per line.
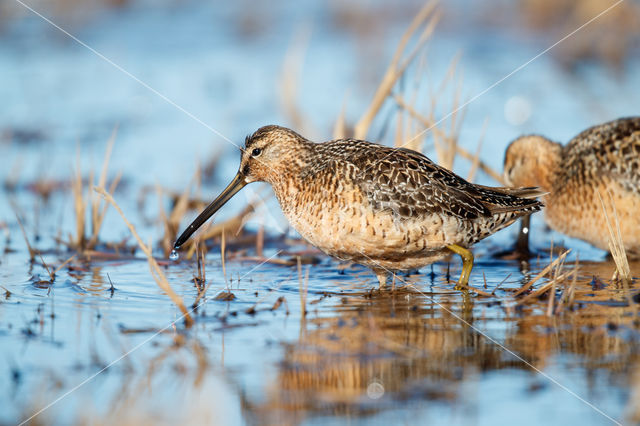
column 236, row 185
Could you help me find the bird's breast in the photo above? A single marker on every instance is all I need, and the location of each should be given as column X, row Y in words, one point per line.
column 339, row 220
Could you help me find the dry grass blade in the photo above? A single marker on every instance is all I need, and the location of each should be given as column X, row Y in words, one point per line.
column 98, row 210
column 552, row 297
column 303, row 285
column 429, row 123
column 202, row 276
column 618, row 252
column 32, row 252
column 481, row 165
column 52, row 275
column 542, row 273
column 493, row 292
column 340, row 126
column 474, row 289
column 260, row 241
column 446, row 152
column 395, row 70
column 550, row 285
column 289, row 81
column 568, row 294
column 475, row 163
column 223, row 247
column 97, row 213
column 615, row 243
column 79, row 205
column 156, row 272
column 231, row 226
column 171, row 223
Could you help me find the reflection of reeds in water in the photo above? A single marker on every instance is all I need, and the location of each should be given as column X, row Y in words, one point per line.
column 418, row 348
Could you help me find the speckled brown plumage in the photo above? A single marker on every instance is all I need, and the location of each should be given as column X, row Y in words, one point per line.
column 390, row 209
column 603, row 159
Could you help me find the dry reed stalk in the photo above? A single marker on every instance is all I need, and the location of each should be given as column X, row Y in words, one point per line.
column 156, row 272
column 289, row 82
column 340, row 126
column 201, row 279
column 615, row 243
column 567, row 296
column 223, row 246
column 51, row 274
column 201, row 294
column 475, row 163
column 399, row 136
column 79, row 205
column 468, row 287
column 616, row 247
column 203, row 253
column 481, row 165
column 231, row 226
column 199, row 262
column 396, row 69
column 543, row 289
column 429, row 123
column 32, row 251
column 303, row 286
column 97, row 209
column 171, row 223
column 445, row 143
column 542, row 273
column 552, row 297
column 260, row 241
column 493, row 293
column 407, row 135
column 97, row 214
column 448, row 155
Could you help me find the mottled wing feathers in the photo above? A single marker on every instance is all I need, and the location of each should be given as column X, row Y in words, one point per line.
column 409, row 184
column 611, row 149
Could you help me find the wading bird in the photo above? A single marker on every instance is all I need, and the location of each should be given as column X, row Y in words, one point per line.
column 599, row 166
column 386, row 208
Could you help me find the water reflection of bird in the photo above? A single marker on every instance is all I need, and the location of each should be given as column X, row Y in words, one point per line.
column 389, row 209
column 601, row 164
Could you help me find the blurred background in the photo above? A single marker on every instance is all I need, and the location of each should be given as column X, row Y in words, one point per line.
column 237, row 67
column 179, row 84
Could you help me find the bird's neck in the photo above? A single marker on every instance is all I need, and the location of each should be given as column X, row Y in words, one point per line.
column 549, row 164
column 291, row 168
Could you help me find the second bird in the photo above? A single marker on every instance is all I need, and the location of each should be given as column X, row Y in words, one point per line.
column 387, row 208
column 597, row 169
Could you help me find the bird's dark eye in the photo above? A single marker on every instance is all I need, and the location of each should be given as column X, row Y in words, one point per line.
column 256, row 152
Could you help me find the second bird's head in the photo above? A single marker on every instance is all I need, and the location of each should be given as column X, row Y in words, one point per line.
column 532, row 161
column 267, row 155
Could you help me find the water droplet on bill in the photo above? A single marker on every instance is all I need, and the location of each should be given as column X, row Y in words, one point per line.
column 174, row 255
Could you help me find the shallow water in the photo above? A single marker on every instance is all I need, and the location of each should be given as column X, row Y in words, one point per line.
column 104, row 344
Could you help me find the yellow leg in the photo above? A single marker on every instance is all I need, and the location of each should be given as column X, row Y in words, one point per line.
column 467, row 262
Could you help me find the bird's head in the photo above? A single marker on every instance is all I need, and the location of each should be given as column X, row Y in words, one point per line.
column 268, row 155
